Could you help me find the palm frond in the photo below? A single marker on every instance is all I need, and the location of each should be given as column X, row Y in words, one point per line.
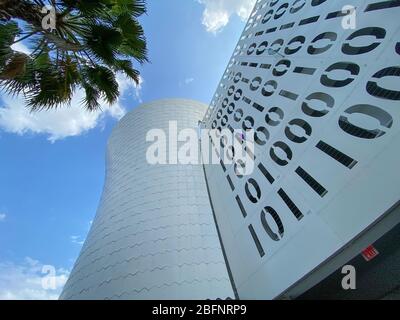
column 103, row 79
column 93, row 40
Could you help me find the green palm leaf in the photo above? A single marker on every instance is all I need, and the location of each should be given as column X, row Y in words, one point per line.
column 93, row 40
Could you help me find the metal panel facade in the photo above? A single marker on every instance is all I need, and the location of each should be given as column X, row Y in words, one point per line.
column 154, row 235
column 323, row 98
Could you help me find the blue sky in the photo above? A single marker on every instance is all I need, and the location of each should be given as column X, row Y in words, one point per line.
column 52, row 163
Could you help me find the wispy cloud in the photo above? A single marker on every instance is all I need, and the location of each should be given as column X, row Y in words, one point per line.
column 186, row 82
column 189, row 80
column 28, row 281
column 138, row 90
column 2, row 216
column 217, row 13
column 77, row 240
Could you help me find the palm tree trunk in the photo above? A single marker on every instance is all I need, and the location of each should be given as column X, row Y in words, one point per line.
column 21, row 9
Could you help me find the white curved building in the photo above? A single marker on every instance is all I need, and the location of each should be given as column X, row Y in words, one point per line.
column 154, row 235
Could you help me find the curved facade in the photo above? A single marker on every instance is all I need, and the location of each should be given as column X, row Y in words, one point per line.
column 154, row 235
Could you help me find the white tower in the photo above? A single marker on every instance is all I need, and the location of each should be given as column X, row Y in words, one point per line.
column 154, row 235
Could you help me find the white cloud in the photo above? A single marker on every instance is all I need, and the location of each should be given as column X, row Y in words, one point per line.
column 189, row 80
column 217, row 13
column 138, row 90
column 27, row 281
column 19, row 46
column 186, row 82
column 76, row 240
column 2, row 216
column 64, row 122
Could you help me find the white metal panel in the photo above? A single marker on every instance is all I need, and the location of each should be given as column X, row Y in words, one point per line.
column 154, row 235
column 301, row 56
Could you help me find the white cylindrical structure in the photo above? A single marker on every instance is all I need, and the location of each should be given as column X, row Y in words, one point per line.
column 154, row 235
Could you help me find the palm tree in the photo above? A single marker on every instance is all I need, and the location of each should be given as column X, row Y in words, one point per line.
column 92, row 41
